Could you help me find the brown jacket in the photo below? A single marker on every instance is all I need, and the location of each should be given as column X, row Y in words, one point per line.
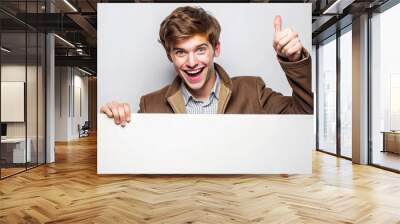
column 244, row 94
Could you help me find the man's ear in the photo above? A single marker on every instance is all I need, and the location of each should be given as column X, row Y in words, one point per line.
column 217, row 49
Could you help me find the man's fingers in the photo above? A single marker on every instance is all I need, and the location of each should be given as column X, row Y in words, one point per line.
column 296, row 49
column 127, row 109
column 289, row 45
column 277, row 24
column 296, row 56
column 279, row 36
column 286, row 39
column 115, row 112
column 121, row 112
column 106, row 110
column 286, row 43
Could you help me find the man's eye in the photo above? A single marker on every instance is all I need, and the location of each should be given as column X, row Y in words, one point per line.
column 201, row 50
column 180, row 53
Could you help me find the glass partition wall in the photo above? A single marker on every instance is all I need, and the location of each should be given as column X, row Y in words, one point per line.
column 327, row 95
column 334, row 132
column 385, row 90
column 345, row 62
column 334, row 75
column 22, row 87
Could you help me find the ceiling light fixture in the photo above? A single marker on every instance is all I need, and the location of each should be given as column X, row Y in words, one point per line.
column 79, row 51
column 337, row 7
column 5, row 50
column 84, row 71
column 70, row 5
column 64, row 40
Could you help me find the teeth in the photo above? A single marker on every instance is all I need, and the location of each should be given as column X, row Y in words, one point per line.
column 194, row 71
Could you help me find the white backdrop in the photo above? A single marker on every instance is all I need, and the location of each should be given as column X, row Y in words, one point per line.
column 132, row 63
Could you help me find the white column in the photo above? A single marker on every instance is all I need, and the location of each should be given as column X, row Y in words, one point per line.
column 50, row 100
column 360, row 90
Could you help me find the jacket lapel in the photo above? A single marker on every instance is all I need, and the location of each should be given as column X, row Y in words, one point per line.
column 224, row 96
column 177, row 103
column 175, row 97
column 225, row 90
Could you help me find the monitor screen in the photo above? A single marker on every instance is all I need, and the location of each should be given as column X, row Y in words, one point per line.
column 3, row 129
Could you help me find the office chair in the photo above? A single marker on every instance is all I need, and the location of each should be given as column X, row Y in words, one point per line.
column 84, row 130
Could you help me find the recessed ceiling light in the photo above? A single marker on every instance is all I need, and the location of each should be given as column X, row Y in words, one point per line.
column 338, row 6
column 70, row 5
column 64, row 40
column 5, row 50
column 84, row 71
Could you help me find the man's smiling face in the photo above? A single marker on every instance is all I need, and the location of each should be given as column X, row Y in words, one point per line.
column 193, row 58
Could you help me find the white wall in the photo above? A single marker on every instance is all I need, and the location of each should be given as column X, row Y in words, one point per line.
column 15, row 72
column 131, row 65
column 80, row 83
column 61, row 103
column 33, row 126
column 68, row 83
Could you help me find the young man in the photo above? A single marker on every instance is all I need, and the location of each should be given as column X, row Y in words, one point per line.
column 190, row 37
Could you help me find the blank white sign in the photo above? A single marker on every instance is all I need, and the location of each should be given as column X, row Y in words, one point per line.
column 206, row 144
column 131, row 63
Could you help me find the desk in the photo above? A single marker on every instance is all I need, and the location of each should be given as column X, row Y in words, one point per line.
column 391, row 141
column 17, row 150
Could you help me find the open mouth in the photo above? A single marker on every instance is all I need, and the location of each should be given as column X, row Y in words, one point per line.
column 194, row 72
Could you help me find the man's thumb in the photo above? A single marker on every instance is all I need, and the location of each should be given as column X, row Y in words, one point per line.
column 277, row 24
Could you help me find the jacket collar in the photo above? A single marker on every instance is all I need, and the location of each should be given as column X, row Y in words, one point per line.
column 175, row 98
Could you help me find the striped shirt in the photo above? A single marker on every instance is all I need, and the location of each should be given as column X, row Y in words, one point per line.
column 196, row 106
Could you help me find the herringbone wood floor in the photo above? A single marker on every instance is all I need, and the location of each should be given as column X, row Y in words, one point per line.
column 70, row 191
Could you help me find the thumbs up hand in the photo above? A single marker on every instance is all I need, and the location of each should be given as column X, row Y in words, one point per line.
column 286, row 42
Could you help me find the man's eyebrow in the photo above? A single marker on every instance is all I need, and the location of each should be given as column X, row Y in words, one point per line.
column 177, row 48
column 198, row 46
column 201, row 45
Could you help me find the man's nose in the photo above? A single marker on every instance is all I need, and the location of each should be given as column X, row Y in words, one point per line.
column 192, row 60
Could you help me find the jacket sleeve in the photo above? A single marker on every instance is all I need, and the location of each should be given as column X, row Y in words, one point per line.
column 299, row 76
column 142, row 108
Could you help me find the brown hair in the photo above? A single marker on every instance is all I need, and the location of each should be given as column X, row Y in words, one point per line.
column 185, row 22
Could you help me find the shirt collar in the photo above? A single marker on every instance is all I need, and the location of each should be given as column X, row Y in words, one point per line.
column 187, row 96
